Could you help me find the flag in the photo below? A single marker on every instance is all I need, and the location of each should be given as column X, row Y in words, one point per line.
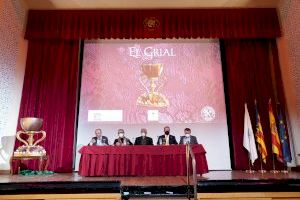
column 259, row 134
column 276, row 146
column 249, row 141
column 286, row 151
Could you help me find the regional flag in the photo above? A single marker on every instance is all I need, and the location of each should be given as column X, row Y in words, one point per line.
column 286, row 151
column 276, row 146
column 249, row 141
column 260, row 137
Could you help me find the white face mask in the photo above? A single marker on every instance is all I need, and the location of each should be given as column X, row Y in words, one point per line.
column 143, row 134
column 187, row 135
column 121, row 135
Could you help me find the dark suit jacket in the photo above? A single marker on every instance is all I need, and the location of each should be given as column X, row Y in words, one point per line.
column 121, row 140
column 172, row 139
column 193, row 139
column 104, row 140
column 147, row 141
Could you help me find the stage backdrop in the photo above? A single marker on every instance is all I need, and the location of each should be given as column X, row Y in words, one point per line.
column 189, row 85
column 64, row 27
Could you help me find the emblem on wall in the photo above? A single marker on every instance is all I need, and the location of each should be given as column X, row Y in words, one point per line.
column 151, row 23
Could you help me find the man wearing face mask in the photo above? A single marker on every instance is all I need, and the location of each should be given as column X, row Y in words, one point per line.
column 188, row 138
column 122, row 140
column 143, row 139
column 166, row 139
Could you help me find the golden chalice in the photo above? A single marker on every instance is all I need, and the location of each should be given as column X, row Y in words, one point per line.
column 152, row 98
column 31, row 126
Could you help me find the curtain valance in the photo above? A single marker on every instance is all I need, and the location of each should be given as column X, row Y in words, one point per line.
column 188, row 23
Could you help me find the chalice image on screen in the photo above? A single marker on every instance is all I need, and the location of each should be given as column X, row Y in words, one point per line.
column 152, row 97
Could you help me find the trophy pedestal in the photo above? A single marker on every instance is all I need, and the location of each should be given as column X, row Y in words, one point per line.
column 30, row 150
column 43, row 162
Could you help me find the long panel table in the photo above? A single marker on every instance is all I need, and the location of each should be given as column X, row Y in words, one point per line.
column 139, row 160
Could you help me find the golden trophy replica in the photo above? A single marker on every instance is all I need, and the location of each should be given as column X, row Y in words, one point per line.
column 152, row 98
column 31, row 127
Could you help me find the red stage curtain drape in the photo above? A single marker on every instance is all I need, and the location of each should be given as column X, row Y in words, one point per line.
column 251, row 71
column 49, row 92
column 51, row 73
column 190, row 23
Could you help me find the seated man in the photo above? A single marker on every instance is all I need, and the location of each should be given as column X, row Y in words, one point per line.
column 188, row 138
column 122, row 140
column 166, row 139
column 143, row 140
column 99, row 140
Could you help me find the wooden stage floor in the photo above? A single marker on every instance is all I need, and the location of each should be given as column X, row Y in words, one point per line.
column 151, row 181
column 212, row 182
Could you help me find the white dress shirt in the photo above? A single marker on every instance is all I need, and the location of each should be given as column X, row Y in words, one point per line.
column 167, row 139
column 99, row 141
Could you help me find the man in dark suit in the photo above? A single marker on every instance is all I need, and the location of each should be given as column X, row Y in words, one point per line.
column 188, row 138
column 166, row 139
column 122, row 140
column 99, row 140
column 143, row 140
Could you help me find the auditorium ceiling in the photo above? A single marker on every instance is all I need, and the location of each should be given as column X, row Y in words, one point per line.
column 147, row 4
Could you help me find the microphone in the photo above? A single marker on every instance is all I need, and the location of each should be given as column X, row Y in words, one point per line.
column 186, row 140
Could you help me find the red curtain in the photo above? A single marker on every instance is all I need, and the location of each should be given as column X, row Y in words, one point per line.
column 189, row 23
column 51, row 75
column 250, row 72
column 50, row 92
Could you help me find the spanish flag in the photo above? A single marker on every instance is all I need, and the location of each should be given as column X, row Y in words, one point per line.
column 260, row 137
column 276, row 146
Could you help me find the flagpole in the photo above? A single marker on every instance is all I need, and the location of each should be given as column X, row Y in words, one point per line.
column 250, row 171
column 262, row 171
column 276, row 145
column 285, row 171
column 284, row 140
column 249, row 143
column 274, row 171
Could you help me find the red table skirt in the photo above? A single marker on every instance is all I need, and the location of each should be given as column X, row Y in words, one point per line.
column 139, row 160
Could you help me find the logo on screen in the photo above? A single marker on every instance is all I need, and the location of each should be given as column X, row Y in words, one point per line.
column 208, row 113
column 150, row 52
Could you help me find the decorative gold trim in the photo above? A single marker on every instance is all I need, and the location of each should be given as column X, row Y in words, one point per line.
column 151, row 23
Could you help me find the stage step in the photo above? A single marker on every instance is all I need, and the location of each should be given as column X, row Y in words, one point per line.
column 156, row 192
column 156, row 198
column 159, row 198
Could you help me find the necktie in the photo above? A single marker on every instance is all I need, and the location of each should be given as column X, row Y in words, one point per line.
column 187, row 140
column 143, row 140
